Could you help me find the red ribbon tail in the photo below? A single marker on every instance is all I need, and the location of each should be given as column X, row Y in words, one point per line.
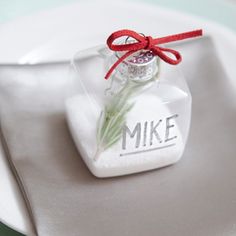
column 178, row 37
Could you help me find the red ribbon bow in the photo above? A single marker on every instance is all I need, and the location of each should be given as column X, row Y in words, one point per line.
column 148, row 43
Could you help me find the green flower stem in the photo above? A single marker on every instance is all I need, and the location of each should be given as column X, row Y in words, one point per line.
column 113, row 118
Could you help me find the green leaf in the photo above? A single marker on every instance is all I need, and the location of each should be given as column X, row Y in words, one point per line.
column 113, row 118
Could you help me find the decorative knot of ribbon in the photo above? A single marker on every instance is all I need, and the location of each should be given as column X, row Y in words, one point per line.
column 147, row 43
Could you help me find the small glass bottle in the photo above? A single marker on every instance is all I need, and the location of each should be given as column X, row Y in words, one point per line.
column 136, row 121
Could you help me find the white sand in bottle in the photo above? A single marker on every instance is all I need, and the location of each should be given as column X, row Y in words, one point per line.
column 152, row 138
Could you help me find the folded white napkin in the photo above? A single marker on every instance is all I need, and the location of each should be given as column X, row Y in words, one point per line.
column 194, row 197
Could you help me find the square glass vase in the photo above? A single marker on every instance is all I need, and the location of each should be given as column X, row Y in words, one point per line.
column 135, row 121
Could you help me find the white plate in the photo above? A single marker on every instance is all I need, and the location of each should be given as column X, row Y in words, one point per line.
column 57, row 34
